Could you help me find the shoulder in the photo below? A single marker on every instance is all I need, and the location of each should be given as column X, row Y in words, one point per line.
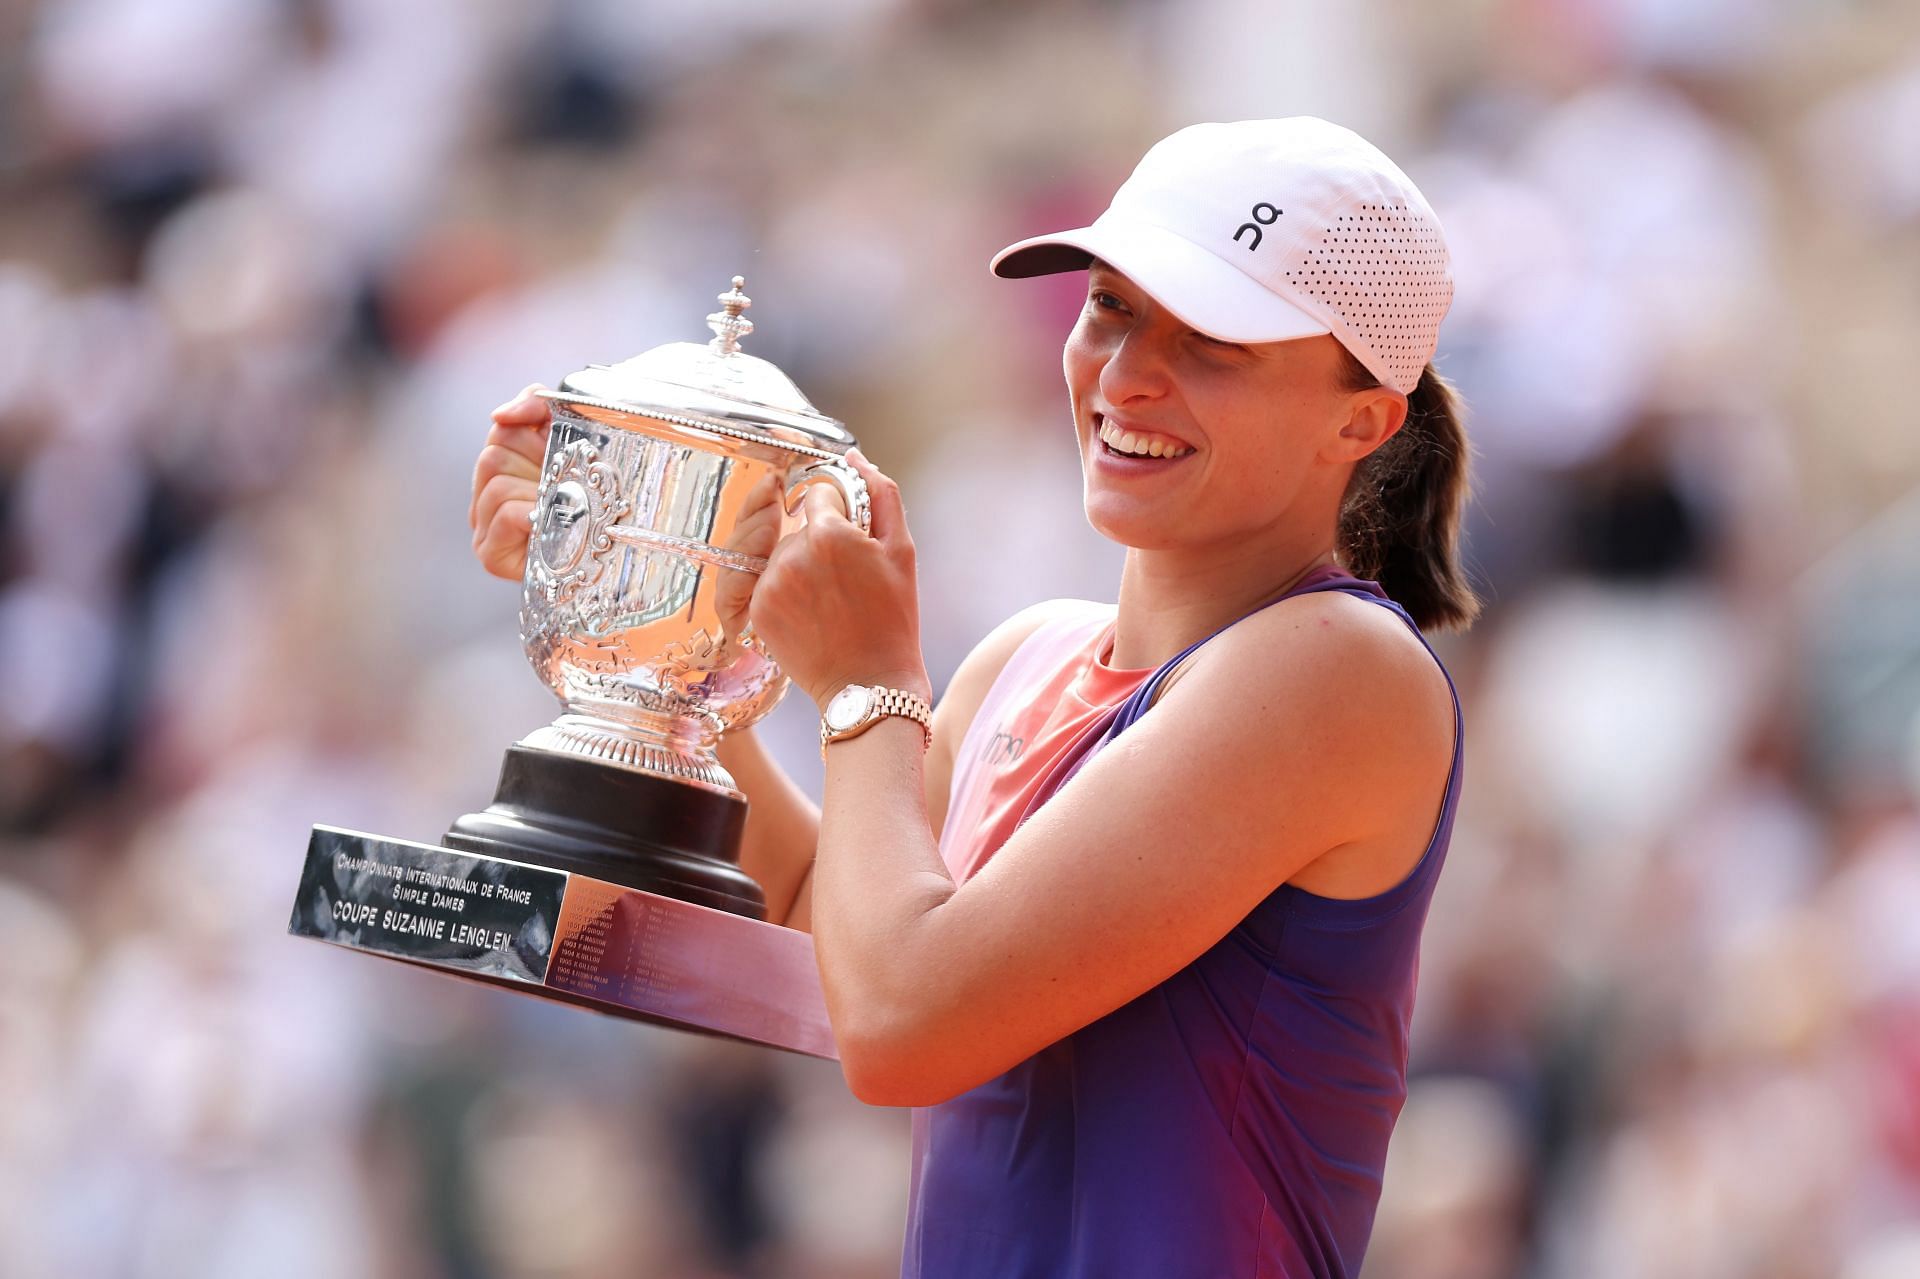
column 1332, row 622
column 1342, row 676
column 1328, row 638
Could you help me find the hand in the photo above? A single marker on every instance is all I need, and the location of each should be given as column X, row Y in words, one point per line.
column 755, row 533
column 506, row 480
column 838, row 607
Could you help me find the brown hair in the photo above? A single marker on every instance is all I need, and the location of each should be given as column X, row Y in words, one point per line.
column 1400, row 518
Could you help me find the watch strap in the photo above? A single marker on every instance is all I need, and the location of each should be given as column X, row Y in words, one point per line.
column 886, row 702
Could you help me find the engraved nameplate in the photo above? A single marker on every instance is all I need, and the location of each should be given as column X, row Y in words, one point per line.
column 625, row 952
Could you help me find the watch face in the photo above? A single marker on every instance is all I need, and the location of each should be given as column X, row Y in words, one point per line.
column 848, row 707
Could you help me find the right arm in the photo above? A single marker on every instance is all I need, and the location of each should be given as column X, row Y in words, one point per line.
column 783, row 826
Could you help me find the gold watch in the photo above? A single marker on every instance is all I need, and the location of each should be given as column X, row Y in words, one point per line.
column 858, row 707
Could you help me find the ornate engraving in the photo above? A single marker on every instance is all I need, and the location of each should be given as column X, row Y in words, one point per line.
column 622, row 686
column 580, row 499
column 683, row 666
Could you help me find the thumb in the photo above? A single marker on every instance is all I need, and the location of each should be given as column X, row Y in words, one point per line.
column 889, row 513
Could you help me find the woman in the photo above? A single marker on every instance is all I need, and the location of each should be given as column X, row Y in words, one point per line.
column 1148, row 975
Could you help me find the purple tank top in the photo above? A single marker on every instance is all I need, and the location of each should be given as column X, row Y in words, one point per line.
column 1230, row 1123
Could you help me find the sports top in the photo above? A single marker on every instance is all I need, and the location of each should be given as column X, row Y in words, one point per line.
column 1230, row 1122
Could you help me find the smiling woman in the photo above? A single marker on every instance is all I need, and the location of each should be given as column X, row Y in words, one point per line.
column 1135, row 926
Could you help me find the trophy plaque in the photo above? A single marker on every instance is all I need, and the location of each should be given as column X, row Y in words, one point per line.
column 606, row 871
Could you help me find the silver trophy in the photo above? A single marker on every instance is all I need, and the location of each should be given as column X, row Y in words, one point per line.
column 668, row 479
column 653, row 513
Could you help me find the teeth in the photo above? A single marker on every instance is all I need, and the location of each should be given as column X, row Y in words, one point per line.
column 1139, row 445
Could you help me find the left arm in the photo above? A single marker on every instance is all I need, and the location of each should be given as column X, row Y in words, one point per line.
column 1162, row 843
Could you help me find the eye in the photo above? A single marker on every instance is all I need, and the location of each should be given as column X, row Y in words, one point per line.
column 1219, row 344
column 1105, row 301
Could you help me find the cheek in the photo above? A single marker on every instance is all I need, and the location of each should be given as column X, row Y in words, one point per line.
column 1252, row 447
column 1081, row 367
column 1078, row 360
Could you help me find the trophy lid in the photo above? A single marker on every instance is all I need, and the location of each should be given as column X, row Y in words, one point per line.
column 716, row 384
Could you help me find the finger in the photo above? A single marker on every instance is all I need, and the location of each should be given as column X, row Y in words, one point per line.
column 524, row 409
column 761, row 503
column 528, row 442
column 500, row 459
column 496, row 493
column 824, row 507
column 883, row 495
column 503, row 552
column 758, row 527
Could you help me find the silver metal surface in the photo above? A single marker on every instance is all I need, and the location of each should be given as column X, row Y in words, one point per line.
column 713, row 387
column 669, row 478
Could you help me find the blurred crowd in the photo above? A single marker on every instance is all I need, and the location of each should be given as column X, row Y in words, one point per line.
column 265, row 265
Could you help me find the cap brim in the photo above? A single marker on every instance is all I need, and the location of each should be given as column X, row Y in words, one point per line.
column 1205, row 292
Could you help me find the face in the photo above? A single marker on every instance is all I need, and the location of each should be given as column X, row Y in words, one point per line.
column 1187, row 441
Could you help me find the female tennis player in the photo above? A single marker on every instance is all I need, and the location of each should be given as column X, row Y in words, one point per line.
column 1135, row 929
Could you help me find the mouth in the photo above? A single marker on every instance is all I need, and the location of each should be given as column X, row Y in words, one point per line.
column 1135, row 444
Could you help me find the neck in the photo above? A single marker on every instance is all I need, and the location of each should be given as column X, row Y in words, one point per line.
column 1170, row 599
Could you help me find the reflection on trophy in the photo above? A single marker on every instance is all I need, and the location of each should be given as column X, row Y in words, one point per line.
column 606, row 870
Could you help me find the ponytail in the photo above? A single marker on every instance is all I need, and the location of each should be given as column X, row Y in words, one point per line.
column 1400, row 518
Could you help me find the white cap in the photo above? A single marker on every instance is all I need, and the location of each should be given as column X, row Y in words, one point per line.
column 1268, row 230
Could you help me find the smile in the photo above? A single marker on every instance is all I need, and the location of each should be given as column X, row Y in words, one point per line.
column 1139, row 443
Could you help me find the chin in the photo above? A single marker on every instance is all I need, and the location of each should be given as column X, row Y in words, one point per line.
column 1131, row 524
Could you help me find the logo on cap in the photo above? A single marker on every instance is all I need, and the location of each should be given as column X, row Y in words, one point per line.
column 1272, row 216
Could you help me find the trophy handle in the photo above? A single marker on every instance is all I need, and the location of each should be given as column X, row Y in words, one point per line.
column 845, row 481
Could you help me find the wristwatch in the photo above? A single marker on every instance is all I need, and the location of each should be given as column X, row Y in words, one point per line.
column 858, row 707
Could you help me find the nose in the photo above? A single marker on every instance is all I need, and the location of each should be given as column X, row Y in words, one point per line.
column 1138, row 368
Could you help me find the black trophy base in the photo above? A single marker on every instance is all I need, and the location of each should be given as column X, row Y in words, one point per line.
column 617, row 826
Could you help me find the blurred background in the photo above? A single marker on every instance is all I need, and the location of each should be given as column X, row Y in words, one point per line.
column 265, row 267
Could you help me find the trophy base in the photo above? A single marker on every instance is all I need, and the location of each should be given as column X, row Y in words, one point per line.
column 564, row 936
column 615, row 825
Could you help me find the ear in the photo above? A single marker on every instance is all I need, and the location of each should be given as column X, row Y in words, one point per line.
column 1373, row 416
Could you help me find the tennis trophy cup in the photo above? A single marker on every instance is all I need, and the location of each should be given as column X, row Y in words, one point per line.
column 606, row 871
